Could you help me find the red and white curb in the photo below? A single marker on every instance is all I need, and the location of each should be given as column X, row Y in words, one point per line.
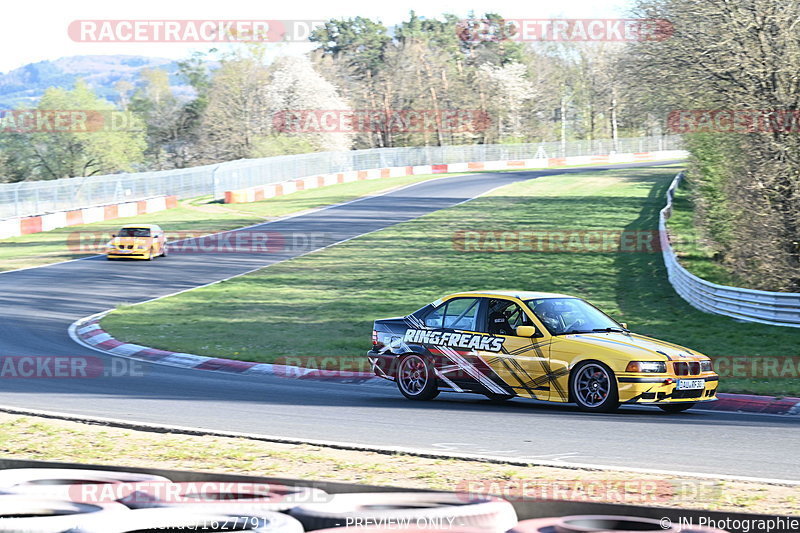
column 88, row 332
column 747, row 403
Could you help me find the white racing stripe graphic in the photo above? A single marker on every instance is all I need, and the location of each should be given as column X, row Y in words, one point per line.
column 470, row 369
column 416, row 322
column 449, row 383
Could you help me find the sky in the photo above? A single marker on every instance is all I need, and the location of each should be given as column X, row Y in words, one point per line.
column 38, row 29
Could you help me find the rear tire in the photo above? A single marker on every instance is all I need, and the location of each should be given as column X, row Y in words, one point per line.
column 676, row 407
column 415, row 378
column 594, row 388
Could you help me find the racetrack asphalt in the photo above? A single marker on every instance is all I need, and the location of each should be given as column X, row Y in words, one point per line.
column 38, row 305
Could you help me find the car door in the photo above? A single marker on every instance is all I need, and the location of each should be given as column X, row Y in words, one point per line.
column 457, row 342
column 522, row 362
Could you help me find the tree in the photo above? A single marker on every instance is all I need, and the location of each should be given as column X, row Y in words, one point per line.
column 360, row 42
column 166, row 120
column 114, row 142
column 737, row 56
column 237, row 113
column 511, row 89
column 295, row 86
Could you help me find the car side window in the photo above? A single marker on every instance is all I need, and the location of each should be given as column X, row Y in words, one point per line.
column 504, row 317
column 461, row 313
column 434, row 318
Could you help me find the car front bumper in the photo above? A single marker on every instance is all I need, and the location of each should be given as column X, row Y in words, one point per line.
column 641, row 388
column 128, row 254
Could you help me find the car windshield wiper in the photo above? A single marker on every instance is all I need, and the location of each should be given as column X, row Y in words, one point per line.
column 611, row 330
column 596, row 330
column 575, row 331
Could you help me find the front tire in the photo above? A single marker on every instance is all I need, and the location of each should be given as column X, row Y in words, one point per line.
column 415, row 378
column 676, row 407
column 593, row 387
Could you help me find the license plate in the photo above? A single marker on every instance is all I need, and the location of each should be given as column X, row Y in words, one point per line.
column 691, row 384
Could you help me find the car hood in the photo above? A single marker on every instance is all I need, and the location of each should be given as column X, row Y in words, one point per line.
column 636, row 345
column 136, row 241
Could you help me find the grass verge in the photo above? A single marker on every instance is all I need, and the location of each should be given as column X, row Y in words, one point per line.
column 197, row 214
column 54, row 440
column 323, row 304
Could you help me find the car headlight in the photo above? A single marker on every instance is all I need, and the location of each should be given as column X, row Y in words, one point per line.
column 706, row 366
column 654, row 367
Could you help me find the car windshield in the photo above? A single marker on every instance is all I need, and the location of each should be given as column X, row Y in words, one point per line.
column 134, row 232
column 571, row 315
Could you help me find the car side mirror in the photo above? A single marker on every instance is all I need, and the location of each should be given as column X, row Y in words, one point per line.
column 624, row 325
column 113, row 235
column 526, row 331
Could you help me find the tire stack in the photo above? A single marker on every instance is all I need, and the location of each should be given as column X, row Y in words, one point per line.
column 46, row 500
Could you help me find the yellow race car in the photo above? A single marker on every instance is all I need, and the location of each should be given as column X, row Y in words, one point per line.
column 137, row 241
column 546, row 346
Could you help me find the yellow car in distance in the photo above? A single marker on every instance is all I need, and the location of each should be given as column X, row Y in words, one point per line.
column 137, row 241
column 545, row 346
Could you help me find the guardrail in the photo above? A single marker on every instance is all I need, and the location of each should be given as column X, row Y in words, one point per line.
column 40, row 197
column 750, row 305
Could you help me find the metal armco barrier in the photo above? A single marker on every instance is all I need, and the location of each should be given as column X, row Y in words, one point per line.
column 39, row 197
column 774, row 308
